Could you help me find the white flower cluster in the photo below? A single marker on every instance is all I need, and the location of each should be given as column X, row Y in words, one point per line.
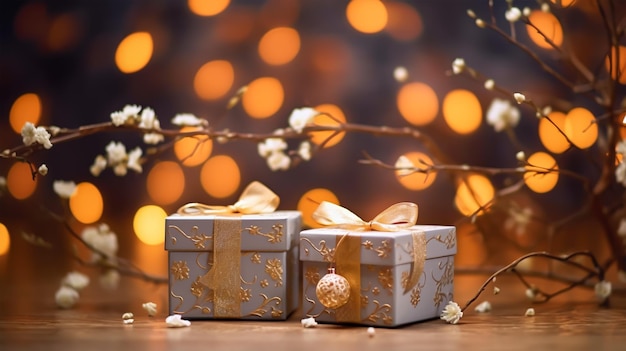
column 175, row 321
column 67, row 296
column 603, row 290
column 104, row 240
column 620, row 170
column 65, row 189
column 146, row 120
column 301, row 117
column 118, row 160
column 451, row 313
column 502, row 115
column 32, row 135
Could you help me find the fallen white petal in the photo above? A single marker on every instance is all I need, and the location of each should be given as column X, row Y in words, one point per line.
column 150, row 307
column 371, row 331
column 175, row 321
column 308, row 322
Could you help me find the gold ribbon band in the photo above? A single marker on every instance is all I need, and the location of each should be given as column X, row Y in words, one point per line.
column 397, row 217
column 348, row 264
column 255, row 198
column 419, row 258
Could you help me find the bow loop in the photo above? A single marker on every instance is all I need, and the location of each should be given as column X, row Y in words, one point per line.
column 396, row 217
column 256, row 198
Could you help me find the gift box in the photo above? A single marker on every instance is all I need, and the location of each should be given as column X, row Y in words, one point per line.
column 394, row 275
column 228, row 263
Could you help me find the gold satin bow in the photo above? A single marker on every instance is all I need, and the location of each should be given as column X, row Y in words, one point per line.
column 396, row 217
column 255, row 198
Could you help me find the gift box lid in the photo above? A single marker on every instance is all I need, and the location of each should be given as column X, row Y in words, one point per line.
column 276, row 231
column 380, row 248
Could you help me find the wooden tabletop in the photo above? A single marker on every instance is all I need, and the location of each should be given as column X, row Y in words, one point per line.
column 29, row 320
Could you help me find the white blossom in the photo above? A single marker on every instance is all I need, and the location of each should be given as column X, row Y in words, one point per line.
column 149, row 119
column 545, row 7
column 404, row 166
column 530, row 312
column 116, row 153
column 120, row 169
column 400, row 74
column 128, row 318
column 621, row 231
column 300, row 117
column 526, row 11
column 305, row 150
column 513, row 14
column 308, row 322
column 490, row 84
column 175, row 321
column 65, row 189
column 519, row 97
column 483, row 307
column 496, row 290
column 32, row 134
column 102, row 239
column 451, row 313
column 99, row 164
column 480, row 23
column 110, row 279
column 75, row 280
column 66, row 297
column 471, row 13
column 3, row 183
column 270, row 146
column 620, row 173
column 152, row 138
column 278, row 161
column 502, row 114
column 603, row 290
column 458, row 65
column 620, row 148
column 150, row 308
column 520, row 156
column 120, row 117
column 531, row 293
column 43, row 169
column 133, row 160
column 186, row 119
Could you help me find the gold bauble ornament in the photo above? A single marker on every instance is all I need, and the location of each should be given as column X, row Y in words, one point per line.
column 333, row 290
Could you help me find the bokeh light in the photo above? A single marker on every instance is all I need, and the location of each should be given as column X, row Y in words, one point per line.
column 334, row 117
column 537, row 181
column 279, row 46
column 462, row 111
column 549, row 25
column 149, row 224
column 20, row 182
column 192, row 151
column 417, row 181
column 612, row 62
column 404, row 22
column 165, row 182
column 563, row 3
column 207, row 7
column 134, row 52
column 220, row 176
column 551, row 137
column 26, row 108
column 64, row 32
column 86, row 204
column 214, row 79
column 581, row 127
column 31, row 22
column 263, row 98
column 309, row 202
column 5, row 240
column 472, row 194
column 418, row 103
column 367, row 16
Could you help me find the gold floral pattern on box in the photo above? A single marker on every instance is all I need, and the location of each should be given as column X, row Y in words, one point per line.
column 382, row 251
column 256, row 258
column 312, row 276
column 180, row 270
column 262, row 309
column 385, row 279
column 382, row 312
column 449, row 240
column 275, row 236
column 199, row 240
column 328, row 254
column 274, row 268
column 446, row 267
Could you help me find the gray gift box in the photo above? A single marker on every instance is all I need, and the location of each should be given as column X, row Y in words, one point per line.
column 233, row 266
column 395, row 277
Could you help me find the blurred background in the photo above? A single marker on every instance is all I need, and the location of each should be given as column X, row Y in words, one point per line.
column 70, row 63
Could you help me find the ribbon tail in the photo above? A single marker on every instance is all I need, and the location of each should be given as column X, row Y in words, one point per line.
column 419, row 258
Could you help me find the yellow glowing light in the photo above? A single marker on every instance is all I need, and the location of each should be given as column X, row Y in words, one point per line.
column 279, row 45
column 472, row 194
column 310, row 200
column 333, row 116
column 405, row 23
column 563, row 3
column 417, row 181
column 263, row 98
column 5, row 240
column 134, row 52
column 367, row 16
column 86, row 204
column 26, row 108
column 20, row 182
column 551, row 138
column 613, row 63
column 418, row 103
column 207, row 7
column 165, row 182
column 214, row 79
column 581, row 127
column 462, row 111
column 220, row 176
column 192, row 151
column 549, row 25
column 149, row 224
column 534, row 178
